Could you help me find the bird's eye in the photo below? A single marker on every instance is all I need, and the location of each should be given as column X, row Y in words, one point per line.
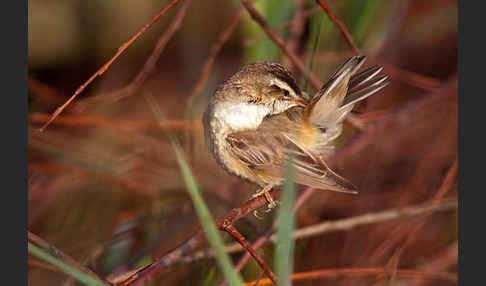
column 278, row 89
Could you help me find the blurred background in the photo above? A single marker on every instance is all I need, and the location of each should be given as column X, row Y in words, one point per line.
column 104, row 185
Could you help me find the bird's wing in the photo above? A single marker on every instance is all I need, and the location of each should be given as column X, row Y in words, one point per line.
column 266, row 149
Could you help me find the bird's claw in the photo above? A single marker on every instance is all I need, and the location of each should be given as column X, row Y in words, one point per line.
column 271, row 202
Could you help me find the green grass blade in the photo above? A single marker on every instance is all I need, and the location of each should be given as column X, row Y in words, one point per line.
column 207, row 222
column 363, row 19
column 75, row 273
column 284, row 252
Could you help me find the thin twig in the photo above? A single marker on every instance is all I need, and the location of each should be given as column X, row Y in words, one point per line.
column 373, row 116
column 445, row 259
column 446, row 185
column 230, row 229
column 305, row 14
column 52, row 250
column 150, row 63
column 360, row 272
column 412, row 78
column 101, row 70
column 215, row 50
column 409, row 77
column 296, row 30
column 137, row 276
column 340, row 25
column 346, row 224
column 350, row 223
column 266, row 236
column 255, row 245
column 124, row 125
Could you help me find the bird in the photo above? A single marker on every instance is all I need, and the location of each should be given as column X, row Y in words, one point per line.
column 259, row 118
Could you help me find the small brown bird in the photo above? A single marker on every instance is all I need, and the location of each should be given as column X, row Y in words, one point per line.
column 259, row 116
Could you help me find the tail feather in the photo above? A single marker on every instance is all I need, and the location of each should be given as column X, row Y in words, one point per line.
column 364, row 90
column 343, row 90
column 332, row 93
column 358, row 79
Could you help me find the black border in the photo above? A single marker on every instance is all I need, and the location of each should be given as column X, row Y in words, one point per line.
column 471, row 143
column 13, row 120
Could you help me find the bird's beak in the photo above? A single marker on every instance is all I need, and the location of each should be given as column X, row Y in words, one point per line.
column 283, row 104
column 297, row 102
column 294, row 101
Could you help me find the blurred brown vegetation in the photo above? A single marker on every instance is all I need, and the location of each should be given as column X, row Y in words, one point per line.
column 104, row 185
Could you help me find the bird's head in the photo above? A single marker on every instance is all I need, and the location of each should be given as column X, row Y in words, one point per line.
column 256, row 91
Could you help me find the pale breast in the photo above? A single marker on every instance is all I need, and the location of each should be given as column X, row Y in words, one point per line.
column 240, row 116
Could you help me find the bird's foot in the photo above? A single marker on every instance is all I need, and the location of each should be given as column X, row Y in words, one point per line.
column 271, row 202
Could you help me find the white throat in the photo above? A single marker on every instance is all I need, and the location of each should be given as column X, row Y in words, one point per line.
column 240, row 116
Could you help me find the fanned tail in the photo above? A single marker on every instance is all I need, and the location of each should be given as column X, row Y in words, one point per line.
column 343, row 90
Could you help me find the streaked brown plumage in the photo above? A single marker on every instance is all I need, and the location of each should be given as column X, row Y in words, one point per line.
column 259, row 116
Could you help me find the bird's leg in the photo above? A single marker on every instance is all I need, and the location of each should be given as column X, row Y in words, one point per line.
column 265, row 192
